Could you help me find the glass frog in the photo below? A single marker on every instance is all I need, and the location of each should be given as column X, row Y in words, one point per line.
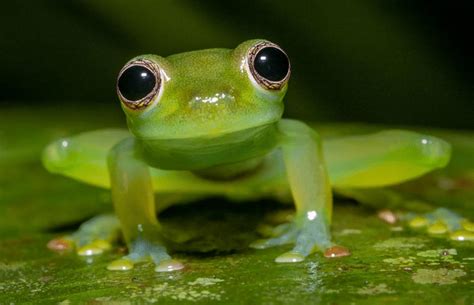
column 209, row 123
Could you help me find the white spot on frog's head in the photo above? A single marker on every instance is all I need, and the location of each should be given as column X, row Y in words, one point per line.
column 311, row 215
column 213, row 99
column 64, row 143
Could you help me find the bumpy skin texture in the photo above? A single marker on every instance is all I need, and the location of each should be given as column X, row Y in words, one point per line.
column 211, row 129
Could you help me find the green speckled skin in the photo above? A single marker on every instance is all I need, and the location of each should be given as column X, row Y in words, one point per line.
column 213, row 130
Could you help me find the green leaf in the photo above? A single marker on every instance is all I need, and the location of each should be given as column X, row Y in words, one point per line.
column 388, row 265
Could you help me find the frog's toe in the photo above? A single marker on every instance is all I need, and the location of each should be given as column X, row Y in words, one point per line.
column 462, row 235
column 61, row 244
column 142, row 250
column 96, row 247
column 437, row 228
column 125, row 264
column 122, row 264
column 169, row 265
column 418, row 222
column 290, row 257
column 443, row 222
column 294, row 256
column 336, row 251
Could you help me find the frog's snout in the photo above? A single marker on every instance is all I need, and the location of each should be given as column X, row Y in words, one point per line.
column 55, row 156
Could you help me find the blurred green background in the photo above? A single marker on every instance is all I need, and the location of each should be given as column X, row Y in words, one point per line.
column 394, row 62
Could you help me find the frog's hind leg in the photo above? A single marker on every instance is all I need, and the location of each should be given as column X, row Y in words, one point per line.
column 93, row 236
column 384, row 158
column 83, row 157
column 422, row 216
column 362, row 167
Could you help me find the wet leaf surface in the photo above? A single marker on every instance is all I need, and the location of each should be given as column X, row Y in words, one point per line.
column 390, row 264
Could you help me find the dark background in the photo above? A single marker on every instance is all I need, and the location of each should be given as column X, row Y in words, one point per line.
column 393, row 62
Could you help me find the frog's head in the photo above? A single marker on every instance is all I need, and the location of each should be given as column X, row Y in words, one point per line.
column 204, row 93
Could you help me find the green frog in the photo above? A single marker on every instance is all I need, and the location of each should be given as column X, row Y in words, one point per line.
column 209, row 123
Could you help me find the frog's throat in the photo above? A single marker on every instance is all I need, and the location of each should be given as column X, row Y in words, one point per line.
column 206, row 152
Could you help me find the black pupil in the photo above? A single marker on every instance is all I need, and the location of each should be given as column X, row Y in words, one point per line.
column 136, row 82
column 272, row 64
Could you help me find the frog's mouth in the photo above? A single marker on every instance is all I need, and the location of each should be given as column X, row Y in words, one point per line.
column 202, row 123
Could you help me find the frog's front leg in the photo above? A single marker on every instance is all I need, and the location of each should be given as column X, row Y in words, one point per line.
column 133, row 198
column 311, row 191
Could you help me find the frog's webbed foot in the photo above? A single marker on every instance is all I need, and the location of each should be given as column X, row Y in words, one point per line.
column 307, row 234
column 93, row 237
column 311, row 192
column 442, row 222
column 96, row 236
column 142, row 250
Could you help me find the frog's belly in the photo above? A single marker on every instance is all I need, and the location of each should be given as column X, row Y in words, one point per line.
column 268, row 180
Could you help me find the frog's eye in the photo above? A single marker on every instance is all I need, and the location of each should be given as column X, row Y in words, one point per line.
column 138, row 83
column 269, row 65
